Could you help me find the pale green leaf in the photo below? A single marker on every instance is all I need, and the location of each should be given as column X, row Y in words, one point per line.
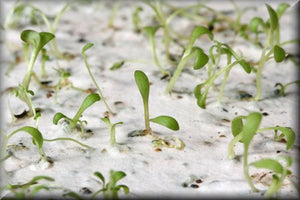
column 268, row 163
column 166, row 121
column 279, row 53
column 250, row 127
column 86, row 47
column 143, row 84
column 273, row 17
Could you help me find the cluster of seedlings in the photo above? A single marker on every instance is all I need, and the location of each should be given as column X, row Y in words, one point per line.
column 243, row 128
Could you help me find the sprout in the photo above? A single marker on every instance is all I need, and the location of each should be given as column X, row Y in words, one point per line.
column 112, row 128
column 110, row 190
column 190, row 52
column 244, row 132
column 72, row 122
column 86, row 47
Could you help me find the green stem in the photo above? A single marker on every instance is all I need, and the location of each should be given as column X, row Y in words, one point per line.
column 152, row 42
column 26, row 80
column 69, row 139
column 94, row 81
column 146, row 115
column 231, row 153
column 246, row 170
column 223, row 85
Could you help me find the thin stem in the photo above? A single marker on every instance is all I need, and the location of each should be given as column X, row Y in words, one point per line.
column 231, row 153
column 152, row 42
column 112, row 135
column 223, row 85
column 146, row 116
column 69, row 139
column 246, row 170
column 26, row 80
column 93, row 79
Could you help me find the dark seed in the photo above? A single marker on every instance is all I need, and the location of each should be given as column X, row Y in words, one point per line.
column 158, row 149
column 85, row 190
column 23, row 114
column 184, row 184
column 265, row 114
column 81, row 40
column 225, row 110
column 194, row 186
column 244, row 95
column 225, row 120
column 222, row 136
column 277, row 151
column 198, row 181
column 46, row 82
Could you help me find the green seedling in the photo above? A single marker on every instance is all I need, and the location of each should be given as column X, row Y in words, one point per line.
column 190, row 52
column 281, row 90
column 280, row 172
column 112, row 129
column 136, row 20
column 272, row 48
column 245, row 131
column 86, row 47
column 110, row 190
column 150, row 31
column 27, row 190
column 143, row 85
column 72, row 122
column 37, row 41
column 221, row 48
column 37, row 139
column 19, row 9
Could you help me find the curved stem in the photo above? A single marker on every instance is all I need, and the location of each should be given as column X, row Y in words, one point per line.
column 69, row 139
column 246, row 170
column 231, row 153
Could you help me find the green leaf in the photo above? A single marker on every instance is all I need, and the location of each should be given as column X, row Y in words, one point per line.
column 245, row 65
column 143, row 84
column 289, row 135
column 35, row 133
column 279, row 53
column 250, row 127
column 87, row 102
column 124, row 187
column 201, row 58
column 100, row 176
column 237, row 125
column 106, row 120
column 86, row 47
column 151, row 30
column 281, row 9
column 273, row 17
column 116, row 176
column 197, row 32
column 166, row 121
column 201, row 98
column 255, row 23
column 58, row 116
column 37, row 40
column 270, row 164
column 117, row 65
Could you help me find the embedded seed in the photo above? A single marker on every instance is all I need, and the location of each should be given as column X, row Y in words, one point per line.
column 194, row 186
column 198, row 181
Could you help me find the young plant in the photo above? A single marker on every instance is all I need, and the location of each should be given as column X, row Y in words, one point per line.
column 150, row 31
column 272, row 47
column 136, row 20
column 245, row 131
column 190, row 52
column 110, row 190
column 281, row 90
column 113, row 14
column 221, row 48
column 37, row 41
column 112, row 128
column 143, row 85
column 86, row 47
column 27, row 190
column 72, row 122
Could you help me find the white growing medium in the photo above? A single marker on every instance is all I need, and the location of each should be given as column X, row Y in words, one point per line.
column 206, row 133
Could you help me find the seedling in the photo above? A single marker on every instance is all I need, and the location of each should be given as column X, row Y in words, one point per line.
column 190, row 52
column 110, row 190
column 86, row 47
column 150, row 31
column 72, row 122
column 244, row 132
column 143, row 85
column 113, row 14
column 27, row 190
column 228, row 51
column 37, row 41
column 37, row 139
column 281, row 90
column 112, row 129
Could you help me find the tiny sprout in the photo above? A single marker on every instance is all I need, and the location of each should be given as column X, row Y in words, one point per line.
column 112, row 128
column 86, row 47
column 110, row 190
column 72, row 122
column 221, row 48
column 113, row 14
column 150, row 31
column 244, row 133
column 117, row 65
column 190, row 52
column 143, row 85
column 31, row 188
column 281, row 91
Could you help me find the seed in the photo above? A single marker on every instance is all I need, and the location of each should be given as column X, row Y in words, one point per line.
column 158, row 149
column 198, row 181
column 265, row 114
column 194, row 186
